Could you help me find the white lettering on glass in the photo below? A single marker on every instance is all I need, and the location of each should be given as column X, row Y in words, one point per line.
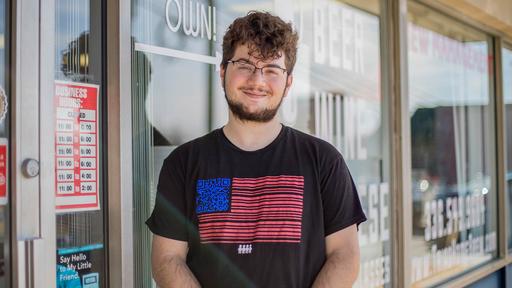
column 329, row 109
column 374, row 273
column 374, row 198
column 318, row 32
column 334, row 20
column 196, row 18
column 176, row 27
column 373, row 212
column 353, row 136
column 461, row 213
column 348, row 39
column 466, row 253
column 338, row 33
column 384, row 211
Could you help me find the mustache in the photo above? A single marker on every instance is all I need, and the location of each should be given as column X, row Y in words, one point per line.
column 255, row 89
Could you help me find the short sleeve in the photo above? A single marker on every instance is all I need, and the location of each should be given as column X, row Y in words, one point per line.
column 342, row 207
column 168, row 217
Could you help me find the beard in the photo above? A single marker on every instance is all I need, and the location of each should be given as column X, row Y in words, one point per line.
column 241, row 112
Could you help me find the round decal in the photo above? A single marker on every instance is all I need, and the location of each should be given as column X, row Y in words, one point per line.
column 3, row 103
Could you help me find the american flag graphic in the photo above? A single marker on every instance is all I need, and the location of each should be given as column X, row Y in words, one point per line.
column 264, row 209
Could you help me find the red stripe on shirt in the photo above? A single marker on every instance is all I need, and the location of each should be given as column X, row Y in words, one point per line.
column 263, row 209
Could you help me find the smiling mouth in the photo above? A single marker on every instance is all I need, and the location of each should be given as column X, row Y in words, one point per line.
column 254, row 94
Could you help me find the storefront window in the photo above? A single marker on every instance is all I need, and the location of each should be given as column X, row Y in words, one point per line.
column 507, row 93
column 78, row 150
column 336, row 96
column 452, row 138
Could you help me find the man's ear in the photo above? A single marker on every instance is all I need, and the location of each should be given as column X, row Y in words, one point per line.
column 289, row 81
column 222, row 74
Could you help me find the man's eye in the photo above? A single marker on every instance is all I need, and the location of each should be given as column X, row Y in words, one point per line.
column 244, row 66
column 271, row 71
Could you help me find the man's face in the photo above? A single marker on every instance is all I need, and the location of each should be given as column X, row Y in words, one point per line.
column 257, row 96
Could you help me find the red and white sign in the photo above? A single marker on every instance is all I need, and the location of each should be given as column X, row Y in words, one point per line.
column 76, row 147
column 3, row 170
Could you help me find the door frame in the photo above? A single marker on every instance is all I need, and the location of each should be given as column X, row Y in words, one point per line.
column 119, row 139
column 33, row 238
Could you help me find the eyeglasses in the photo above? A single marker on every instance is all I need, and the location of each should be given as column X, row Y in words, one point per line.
column 247, row 69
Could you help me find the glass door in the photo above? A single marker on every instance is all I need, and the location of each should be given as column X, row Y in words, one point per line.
column 55, row 210
column 78, row 103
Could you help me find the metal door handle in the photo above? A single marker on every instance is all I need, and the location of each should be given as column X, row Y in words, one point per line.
column 30, row 168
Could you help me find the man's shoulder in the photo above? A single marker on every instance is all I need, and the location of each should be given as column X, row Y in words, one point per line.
column 194, row 146
column 313, row 143
column 201, row 141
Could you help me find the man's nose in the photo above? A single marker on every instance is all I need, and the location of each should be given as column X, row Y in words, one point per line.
column 257, row 75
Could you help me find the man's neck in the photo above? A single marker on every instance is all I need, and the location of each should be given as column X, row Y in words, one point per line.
column 251, row 136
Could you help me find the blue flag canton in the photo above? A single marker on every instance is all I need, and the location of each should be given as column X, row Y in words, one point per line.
column 213, row 195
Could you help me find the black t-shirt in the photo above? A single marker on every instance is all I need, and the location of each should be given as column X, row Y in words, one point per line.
column 255, row 218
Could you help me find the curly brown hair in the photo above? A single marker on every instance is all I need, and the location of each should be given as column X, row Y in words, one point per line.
column 266, row 35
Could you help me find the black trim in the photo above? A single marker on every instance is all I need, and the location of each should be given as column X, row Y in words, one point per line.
column 104, row 139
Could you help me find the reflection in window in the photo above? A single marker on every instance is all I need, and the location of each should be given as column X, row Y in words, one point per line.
column 454, row 198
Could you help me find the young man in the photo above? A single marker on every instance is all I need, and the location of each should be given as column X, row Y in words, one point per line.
column 256, row 203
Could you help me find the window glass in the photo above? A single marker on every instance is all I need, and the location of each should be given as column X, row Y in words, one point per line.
column 336, row 96
column 80, row 221
column 507, row 93
column 452, row 138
